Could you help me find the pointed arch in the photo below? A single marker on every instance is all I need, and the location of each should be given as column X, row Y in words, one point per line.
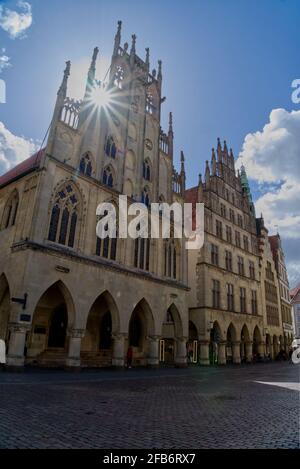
column 177, row 319
column 65, row 214
column 112, row 306
column 231, row 333
column 10, row 210
column 86, row 164
column 245, row 335
column 109, row 176
column 5, row 307
column 141, row 325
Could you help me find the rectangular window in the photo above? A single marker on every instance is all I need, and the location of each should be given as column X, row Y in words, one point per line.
column 231, row 215
column 214, row 254
column 246, row 243
column 241, row 265
column 219, row 230
column 240, row 220
column 251, row 270
column 230, row 297
column 254, row 301
column 223, row 211
column 228, row 234
column 216, row 294
column 238, row 239
column 228, row 260
column 243, row 300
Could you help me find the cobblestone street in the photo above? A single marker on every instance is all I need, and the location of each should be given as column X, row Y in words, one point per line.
column 167, row 408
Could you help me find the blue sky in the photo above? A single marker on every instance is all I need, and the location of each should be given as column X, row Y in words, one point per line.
column 226, row 65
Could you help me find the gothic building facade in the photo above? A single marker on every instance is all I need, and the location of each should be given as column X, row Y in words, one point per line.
column 67, row 297
column 225, row 301
column 70, row 298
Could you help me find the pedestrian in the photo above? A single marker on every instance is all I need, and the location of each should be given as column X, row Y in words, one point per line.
column 129, row 357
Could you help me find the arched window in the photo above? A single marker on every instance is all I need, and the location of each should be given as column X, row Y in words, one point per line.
column 170, row 259
column 147, row 170
column 149, row 103
column 85, row 166
column 145, row 197
column 119, row 77
column 108, row 178
column 10, row 210
column 64, row 216
column 110, row 147
column 107, row 247
column 142, row 253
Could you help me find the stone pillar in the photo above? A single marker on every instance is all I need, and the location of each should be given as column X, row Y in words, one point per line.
column 204, row 352
column 153, row 357
column 15, row 357
column 222, row 353
column 181, row 354
column 236, row 353
column 118, row 358
column 75, row 336
column 249, row 352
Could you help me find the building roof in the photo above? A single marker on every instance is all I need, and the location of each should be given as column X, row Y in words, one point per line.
column 294, row 292
column 28, row 165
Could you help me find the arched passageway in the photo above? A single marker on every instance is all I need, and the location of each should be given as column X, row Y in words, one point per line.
column 171, row 341
column 230, row 342
column 215, row 338
column 47, row 343
column 141, row 327
column 97, row 343
column 4, row 309
column 257, row 350
column 245, row 349
column 193, row 344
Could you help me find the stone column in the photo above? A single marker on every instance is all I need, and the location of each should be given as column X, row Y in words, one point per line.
column 222, row 353
column 153, row 358
column 236, row 353
column 271, row 350
column 181, row 354
column 75, row 336
column 249, row 352
column 15, row 357
column 204, row 352
column 118, row 358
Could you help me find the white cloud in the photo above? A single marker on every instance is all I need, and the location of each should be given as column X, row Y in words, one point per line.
column 13, row 149
column 15, row 23
column 273, row 156
column 4, row 60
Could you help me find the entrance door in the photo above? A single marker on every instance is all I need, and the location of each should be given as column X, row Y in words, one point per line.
column 58, row 328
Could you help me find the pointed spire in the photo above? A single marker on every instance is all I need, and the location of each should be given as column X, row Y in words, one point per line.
column 170, row 136
column 200, row 189
column 213, row 162
column 225, row 149
column 182, row 160
column 159, row 74
column 92, row 69
column 200, row 180
column 117, row 39
column 170, row 122
column 132, row 50
column 207, row 173
column 147, row 61
column 63, row 87
column 231, row 159
column 219, row 150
